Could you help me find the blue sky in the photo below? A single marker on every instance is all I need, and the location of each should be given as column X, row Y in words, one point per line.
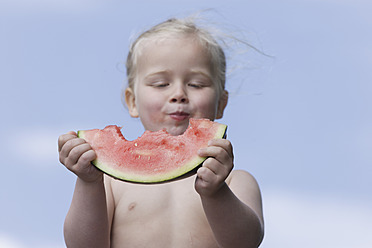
column 300, row 122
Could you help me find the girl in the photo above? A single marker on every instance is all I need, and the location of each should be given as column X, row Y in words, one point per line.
column 176, row 71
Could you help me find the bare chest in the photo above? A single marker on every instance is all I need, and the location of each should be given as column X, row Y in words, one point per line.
column 162, row 215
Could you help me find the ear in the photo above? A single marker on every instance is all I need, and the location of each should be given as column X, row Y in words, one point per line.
column 222, row 104
column 131, row 103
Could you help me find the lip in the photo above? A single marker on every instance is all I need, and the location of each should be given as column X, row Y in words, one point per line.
column 179, row 116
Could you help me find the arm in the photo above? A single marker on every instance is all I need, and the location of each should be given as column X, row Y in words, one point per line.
column 234, row 211
column 87, row 222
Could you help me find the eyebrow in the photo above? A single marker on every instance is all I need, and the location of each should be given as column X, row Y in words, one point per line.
column 199, row 72
column 164, row 72
column 168, row 72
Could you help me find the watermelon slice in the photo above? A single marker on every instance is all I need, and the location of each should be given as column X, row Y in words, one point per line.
column 155, row 156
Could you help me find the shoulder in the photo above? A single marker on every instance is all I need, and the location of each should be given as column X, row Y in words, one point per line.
column 240, row 175
column 245, row 187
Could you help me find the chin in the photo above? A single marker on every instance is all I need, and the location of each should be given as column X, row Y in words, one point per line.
column 177, row 130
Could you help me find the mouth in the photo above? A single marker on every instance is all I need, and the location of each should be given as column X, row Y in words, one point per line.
column 179, row 116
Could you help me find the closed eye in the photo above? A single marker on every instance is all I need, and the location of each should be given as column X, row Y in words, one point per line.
column 196, row 85
column 159, row 84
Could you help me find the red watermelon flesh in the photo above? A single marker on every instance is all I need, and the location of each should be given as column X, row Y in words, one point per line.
column 153, row 157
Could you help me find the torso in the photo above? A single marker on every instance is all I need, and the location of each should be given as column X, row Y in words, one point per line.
column 159, row 215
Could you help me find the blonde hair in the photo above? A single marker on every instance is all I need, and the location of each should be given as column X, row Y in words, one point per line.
column 178, row 27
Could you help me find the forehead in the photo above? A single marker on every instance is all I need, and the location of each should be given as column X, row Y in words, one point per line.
column 183, row 50
column 157, row 39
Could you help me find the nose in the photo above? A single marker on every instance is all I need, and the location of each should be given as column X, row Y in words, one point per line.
column 179, row 95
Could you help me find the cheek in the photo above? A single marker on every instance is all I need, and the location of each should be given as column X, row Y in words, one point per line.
column 149, row 105
column 208, row 106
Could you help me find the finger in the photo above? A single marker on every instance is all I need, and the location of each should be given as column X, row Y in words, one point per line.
column 83, row 164
column 220, row 171
column 212, row 165
column 205, row 174
column 64, row 138
column 206, row 182
column 87, row 157
column 223, row 143
column 78, row 151
column 67, row 147
column 220, row 154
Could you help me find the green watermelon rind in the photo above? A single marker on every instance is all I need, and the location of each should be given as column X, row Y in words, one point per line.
column 157, row 178
column 188, row 168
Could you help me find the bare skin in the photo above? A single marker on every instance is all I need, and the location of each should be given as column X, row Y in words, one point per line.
column 184, row 213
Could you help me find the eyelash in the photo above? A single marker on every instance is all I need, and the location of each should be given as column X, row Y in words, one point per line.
column 159, row 84
column 162, row 84
column 196, row 85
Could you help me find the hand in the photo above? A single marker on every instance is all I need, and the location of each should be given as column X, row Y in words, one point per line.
column 76, row 155
column 216, row 168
